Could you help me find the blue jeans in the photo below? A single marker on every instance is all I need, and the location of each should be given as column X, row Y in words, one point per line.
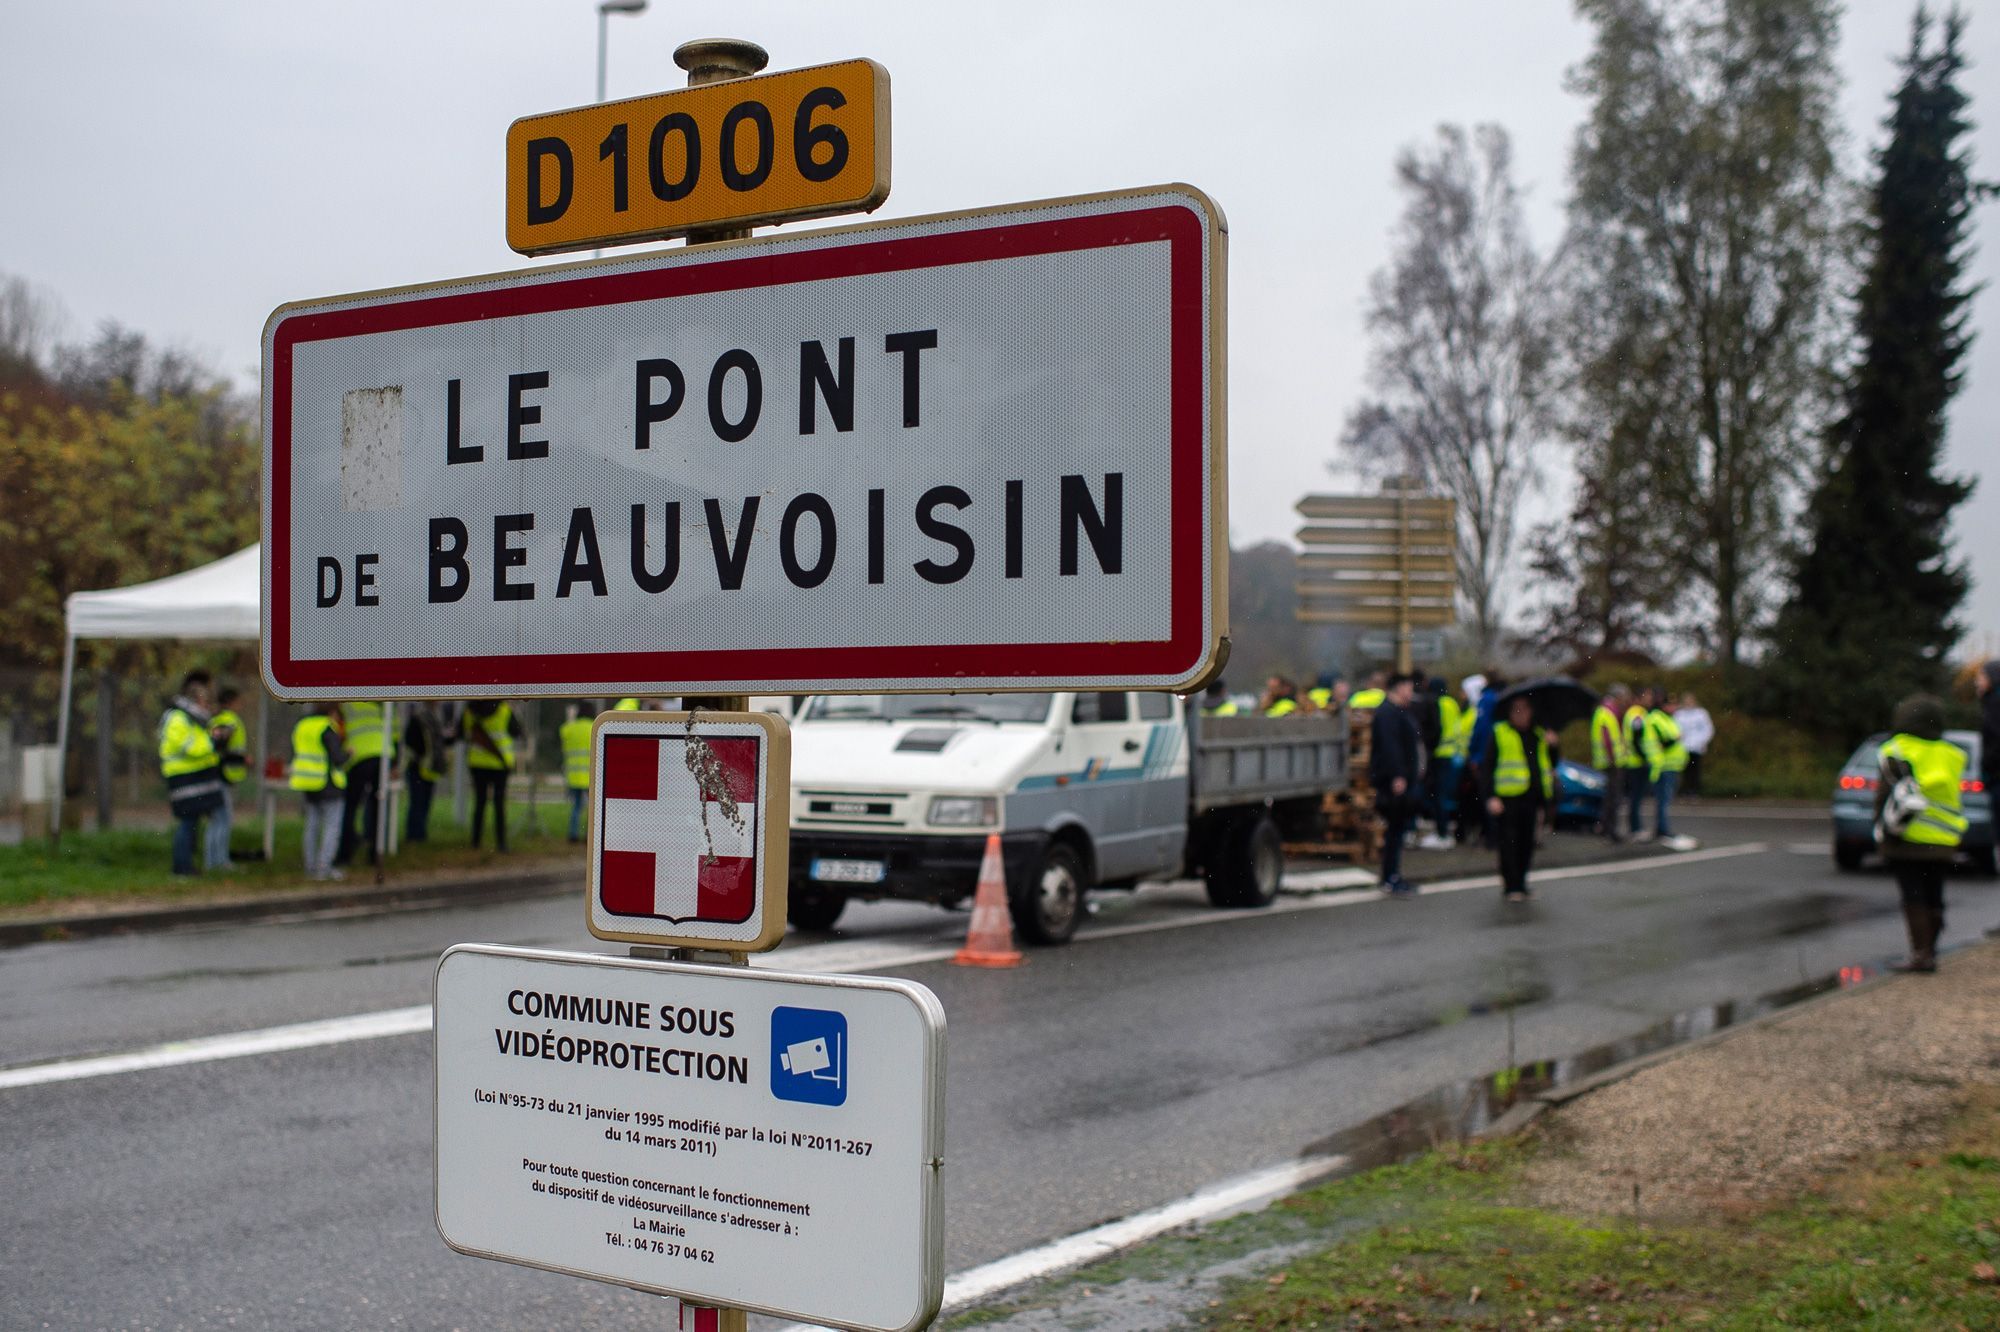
column 1636, row 786
column 1663, row 798
column 577, row 798
column 215, row 853
column 185, row 831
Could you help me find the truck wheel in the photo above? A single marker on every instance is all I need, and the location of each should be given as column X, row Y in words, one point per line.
column 814, row 906
column 1048, row 906
column 1251, row 867
column 1847, row 855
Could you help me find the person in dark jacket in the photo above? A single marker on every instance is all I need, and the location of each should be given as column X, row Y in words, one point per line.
column 1396, row 769
column 1987, row 682
column 1920, row 819
column 1519, row 785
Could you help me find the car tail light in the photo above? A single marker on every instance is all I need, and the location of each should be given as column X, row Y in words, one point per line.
column 1972, row 785
column 1850, row 782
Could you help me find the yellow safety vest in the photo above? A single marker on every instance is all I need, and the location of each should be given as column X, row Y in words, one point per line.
column 364, row 731
column 309, row 763
column 235, row 759
column 1284, row 707
column 185, row 745
column 1510, row 767
column 576, row 753
column 1320, row 698
column 1610, row 755
column 1468, row 722
column 1226, row 708
column 1367, row 700
column 1635, row 739
column 1662, row 744
column 1939, row 767
column 1449, row 741
column 626, row 705
column 495, row 728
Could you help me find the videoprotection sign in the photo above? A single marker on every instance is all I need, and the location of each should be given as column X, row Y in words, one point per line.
column 980, row 451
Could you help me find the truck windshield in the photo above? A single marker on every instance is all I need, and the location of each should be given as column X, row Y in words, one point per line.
column 928, row 707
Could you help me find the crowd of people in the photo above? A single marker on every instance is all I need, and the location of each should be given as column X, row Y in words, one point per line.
column 341, row 754
column 1463, row 763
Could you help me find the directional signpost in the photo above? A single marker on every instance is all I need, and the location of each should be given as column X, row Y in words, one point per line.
column 1385, row 561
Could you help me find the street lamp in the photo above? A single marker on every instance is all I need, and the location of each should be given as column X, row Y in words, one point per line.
column 606, row 8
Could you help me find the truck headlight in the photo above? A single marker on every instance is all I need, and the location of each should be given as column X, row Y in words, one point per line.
column 965, row 811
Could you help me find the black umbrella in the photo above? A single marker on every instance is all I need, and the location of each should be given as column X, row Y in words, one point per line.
column 1557, row 699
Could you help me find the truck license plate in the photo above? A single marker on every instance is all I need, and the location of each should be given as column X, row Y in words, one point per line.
column 849, row 871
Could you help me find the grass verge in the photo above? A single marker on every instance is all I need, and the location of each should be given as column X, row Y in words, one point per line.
column 1446, row 1242
column 124, row 865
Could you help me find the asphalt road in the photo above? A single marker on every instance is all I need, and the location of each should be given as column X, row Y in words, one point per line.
column 1169, row 1047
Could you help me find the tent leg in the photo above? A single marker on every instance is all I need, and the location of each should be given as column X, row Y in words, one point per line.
column 62, row 739
column 382, row 791
column 106, row 716
column 266, row 803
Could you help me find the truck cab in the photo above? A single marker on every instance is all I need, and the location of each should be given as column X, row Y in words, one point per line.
column 894, row 796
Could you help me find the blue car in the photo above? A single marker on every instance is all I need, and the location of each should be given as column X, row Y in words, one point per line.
column 1579, row 794
column 1854, row 805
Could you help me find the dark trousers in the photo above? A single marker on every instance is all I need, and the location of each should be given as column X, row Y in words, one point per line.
column 1517, row 842
column 1691, row 779
column 186, row 836
column 1921, row 882
column 489, row 784
column 1638, row 781
column 1607, row 813
column 364, row 785
column 1395, row 827
column 417, row 822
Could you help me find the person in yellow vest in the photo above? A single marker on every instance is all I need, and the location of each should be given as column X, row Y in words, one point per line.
column 490, row 731
column 1327, row 693
column 427, row 743
column 1441, row 773
column 1637, row 779
column 319, row 775
column 1608, row 747
column 1920, row 819
column 1281, row 698
column 367, row 748
column 1215, row 701
column 1520, row 788
column 1666, row 759
column 1370, row 698
column 232, row 742
column 192, row 766
column 575, row 735
column 626, row 705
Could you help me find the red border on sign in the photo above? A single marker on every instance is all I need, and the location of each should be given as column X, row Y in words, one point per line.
column 1183, row 228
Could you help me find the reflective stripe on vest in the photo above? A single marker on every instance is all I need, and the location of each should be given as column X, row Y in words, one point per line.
column 309, row 765
column 185, row 746
column 1510, row 767
column 1602, row 755
column 1939, row 767
column 576, row 753
column 495, row 729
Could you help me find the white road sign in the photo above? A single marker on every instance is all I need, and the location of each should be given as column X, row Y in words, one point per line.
column 740, row 1138
column 687, row 847
column 973, row 451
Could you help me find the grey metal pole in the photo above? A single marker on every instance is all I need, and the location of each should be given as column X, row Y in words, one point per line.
column 266, row 800
column 718, row 60
column 62, row 738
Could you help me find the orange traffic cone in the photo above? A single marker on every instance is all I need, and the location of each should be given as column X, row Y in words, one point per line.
column 990, row 940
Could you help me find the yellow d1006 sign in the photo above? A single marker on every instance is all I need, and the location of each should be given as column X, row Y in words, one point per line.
column 803, row 143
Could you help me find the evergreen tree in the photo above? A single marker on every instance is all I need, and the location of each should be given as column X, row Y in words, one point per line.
column 1876, row 592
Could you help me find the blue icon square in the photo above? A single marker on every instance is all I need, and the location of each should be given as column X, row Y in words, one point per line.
column 809, row 1055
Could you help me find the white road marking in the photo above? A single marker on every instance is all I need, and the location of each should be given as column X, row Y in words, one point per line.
column 849, row 956
column 1242, row 1194
column 1802, row 814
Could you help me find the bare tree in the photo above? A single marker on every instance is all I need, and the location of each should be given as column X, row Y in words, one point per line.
column 1463, row 327
column 30, row 321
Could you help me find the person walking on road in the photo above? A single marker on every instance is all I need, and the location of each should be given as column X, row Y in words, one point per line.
column 1441, row 771
column 1396, row 769
column 319, row 775
column 192, row 765
column 490, row 732
column 1608, row 754
column 232, row 742
column 1637, row 784
column 1919, row 819
column 1666, row 758
column 575, row 736
column 1697, row 734
column 1521, row 786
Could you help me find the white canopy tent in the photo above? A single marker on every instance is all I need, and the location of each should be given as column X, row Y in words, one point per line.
column 222, row 600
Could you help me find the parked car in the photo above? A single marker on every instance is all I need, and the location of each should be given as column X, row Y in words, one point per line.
column 1579, row 794
column 1854, row 805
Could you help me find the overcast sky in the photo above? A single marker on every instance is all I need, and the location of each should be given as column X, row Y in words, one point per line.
column 185, row 168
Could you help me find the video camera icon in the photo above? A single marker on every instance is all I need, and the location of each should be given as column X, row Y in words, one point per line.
column 809, row 1055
